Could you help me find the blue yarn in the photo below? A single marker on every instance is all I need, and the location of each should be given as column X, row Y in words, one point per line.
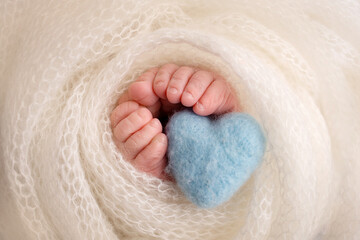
column 210, row 158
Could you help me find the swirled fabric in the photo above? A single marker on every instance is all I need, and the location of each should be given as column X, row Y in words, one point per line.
column 295, row 66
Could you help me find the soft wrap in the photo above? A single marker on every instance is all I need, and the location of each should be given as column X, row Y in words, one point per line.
column 295, row 66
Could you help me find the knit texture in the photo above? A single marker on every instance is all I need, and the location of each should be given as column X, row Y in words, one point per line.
column 294, row 65
column 211, row 158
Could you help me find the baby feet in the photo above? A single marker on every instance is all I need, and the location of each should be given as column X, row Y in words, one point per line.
column 137, row 130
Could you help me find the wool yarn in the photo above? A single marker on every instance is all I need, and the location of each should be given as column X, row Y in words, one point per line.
column 295, row 67
column 211, row 158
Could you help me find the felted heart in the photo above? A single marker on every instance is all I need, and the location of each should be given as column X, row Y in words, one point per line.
column 211, row 158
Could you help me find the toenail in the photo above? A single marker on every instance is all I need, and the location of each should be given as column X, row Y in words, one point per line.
column 159, row 83
column 172, row 90
column 188, row 95
column 155, row 123
column 161, row 139
column 200, row 106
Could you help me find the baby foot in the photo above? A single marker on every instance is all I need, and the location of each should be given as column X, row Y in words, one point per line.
column 139, row 137
column 206, row 92
column 138, row 132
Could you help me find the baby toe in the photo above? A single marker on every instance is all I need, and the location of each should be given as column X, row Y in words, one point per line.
column 132, row 123
column 215, row 100
column 142, row 90
column 152, row 158
column 140, row 139
column 196, row 87
column 162, row 79
column 121, row 111
column 177, row 83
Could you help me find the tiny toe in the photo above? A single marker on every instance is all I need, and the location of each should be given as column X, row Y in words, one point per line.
column 142, row 90
column 162, row 79
column 140, row 139
column 132, row 123
column 177, row 83
column 196, row 87
column 214, row 98
column 228, row 101
column 152, row 158
column 121, row 111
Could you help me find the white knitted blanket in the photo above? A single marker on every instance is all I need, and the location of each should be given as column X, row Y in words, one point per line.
column 294, row 64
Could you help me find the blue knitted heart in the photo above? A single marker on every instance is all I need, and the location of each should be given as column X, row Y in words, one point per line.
column 211, row 159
